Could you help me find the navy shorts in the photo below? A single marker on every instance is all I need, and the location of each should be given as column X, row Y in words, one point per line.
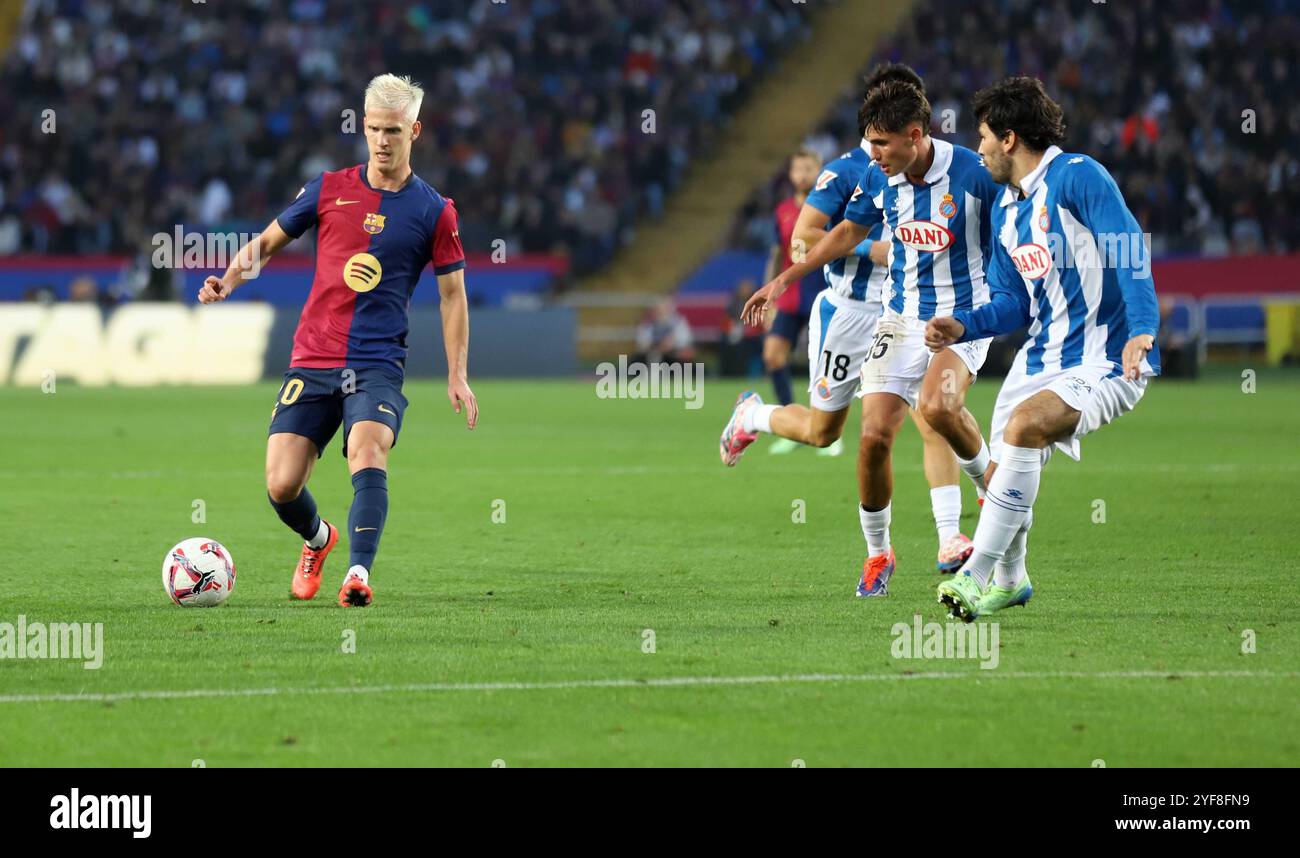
column 788, row 325
column 313, row 402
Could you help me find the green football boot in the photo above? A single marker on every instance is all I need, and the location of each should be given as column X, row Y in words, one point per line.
column 996, row 598
column 961, row 594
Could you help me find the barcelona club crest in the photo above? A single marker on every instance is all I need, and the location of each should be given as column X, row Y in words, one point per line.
column 948, row 208
column 373, row 224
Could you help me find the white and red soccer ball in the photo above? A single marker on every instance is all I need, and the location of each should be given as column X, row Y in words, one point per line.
column 198, row 573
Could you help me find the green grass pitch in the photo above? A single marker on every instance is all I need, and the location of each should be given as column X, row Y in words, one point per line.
column 619, row 518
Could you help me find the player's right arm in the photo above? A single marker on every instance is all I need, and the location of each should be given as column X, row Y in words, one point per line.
column 860, row 216
column 810, row 229
column 300, row 216
column 246, row 265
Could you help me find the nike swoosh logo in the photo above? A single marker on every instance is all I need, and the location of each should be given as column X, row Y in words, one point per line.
column 342, row 202
column 387, row 411
column 359, row 529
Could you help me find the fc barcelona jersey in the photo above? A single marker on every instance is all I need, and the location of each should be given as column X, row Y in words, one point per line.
column 371, row 248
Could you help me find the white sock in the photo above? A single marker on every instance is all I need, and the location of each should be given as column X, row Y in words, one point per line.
column 1008, row 502
column 875, row 527
column 360, row 571
column 759, row 418
column 946, row 503
column 1010, row 570
column 322, row 536
column 975, row 468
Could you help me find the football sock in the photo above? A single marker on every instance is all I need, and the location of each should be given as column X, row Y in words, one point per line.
column 1009, row 500
column 976, row 467
column 366, row 517
column 875, row 527
column 322, row 536
column 759, row 418
column 781, row 384
column 1010, row 570
column 946, row 503
column 361, row 572
column 299, row 514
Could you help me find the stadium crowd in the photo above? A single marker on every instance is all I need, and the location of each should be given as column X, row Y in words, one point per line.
column 536, row 111
column 1189, row 103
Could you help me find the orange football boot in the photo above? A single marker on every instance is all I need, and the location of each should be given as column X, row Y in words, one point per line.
column 306, row 578
column 355, row 593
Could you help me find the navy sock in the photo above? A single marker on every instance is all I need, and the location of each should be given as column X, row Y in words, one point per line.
column 299, row 514
column 366, row 518
column 781, row 381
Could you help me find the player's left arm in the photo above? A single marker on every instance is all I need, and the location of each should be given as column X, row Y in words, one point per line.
column 1007, row 309
column 449, row 267
column 1102, row 210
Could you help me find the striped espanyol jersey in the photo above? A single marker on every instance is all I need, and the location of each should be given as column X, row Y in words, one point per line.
column 939, row 231
column 1070, row 261
column 852, row 276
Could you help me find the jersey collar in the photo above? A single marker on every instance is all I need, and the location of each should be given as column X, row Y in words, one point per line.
column 1031, row 182
column 942, row 161
column 361, row 173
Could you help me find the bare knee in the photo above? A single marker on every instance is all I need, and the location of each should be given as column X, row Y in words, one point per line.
column 366, row 454
column 822, row 436
column 876, row 442
column 282, row 487
column 1026, row 429
column 939, row 412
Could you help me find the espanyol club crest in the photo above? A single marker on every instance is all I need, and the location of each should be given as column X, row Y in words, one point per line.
column 373, row 224
column 948, row 208
column 823, row 388
column 1044, row 222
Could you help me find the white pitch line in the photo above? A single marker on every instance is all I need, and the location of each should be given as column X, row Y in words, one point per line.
column 658, row 682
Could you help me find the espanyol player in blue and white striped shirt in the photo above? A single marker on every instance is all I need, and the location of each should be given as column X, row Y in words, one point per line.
column 935, row 199
column 842, row 328
column 1071, row 262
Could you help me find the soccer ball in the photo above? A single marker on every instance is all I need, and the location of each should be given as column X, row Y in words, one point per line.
column 198, row 573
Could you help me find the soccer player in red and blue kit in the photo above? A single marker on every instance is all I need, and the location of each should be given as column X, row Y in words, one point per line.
column 378, row 226
column 795, row 305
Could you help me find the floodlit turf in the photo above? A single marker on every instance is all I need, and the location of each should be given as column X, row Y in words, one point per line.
column 619, row 518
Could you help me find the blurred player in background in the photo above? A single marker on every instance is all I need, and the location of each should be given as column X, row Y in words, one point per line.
column 935, row 198
column 379, row 225
column 792, row 309
column 841, row 331
column 1093, row 322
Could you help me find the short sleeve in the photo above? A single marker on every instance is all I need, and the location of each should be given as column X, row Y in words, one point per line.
column 861, row 208
column 447, row 254
column 302, row 213
column 831, row 191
